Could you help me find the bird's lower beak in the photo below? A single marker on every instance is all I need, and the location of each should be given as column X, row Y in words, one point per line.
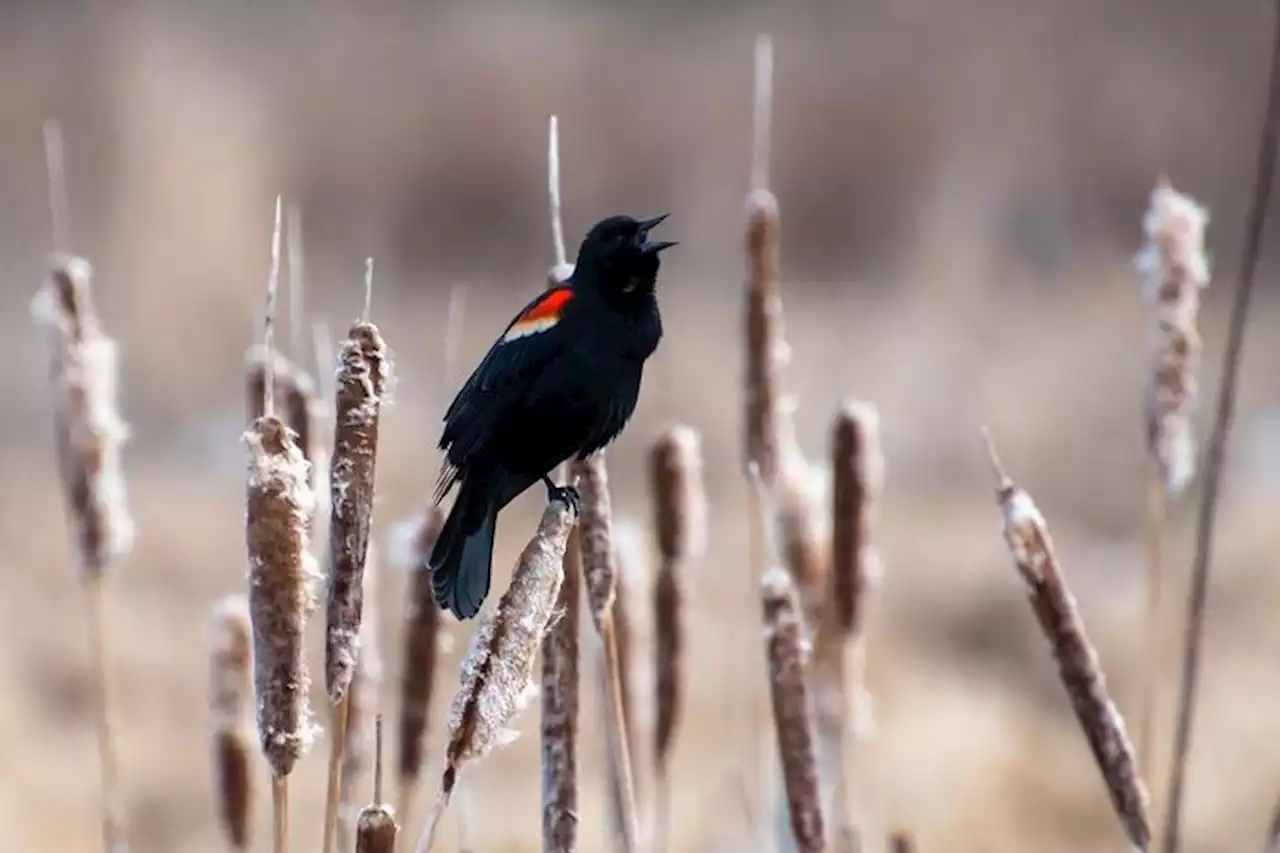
column 655, row 248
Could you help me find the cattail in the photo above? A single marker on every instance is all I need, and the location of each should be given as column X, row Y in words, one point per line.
column 840, row 641
column 230, row 704
column 362, row 382
column 559, row 695
column 421, row 652
column 1176, row 269
column 89, row 429
column 497, row 673
column 786, row 650
column 679, row 521
column 600, row 571
column 901, row 842
column 364, row 700
column 1027, row 536
column 279, row 507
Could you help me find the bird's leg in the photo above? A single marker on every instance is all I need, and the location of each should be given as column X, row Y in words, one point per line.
column 565, row 494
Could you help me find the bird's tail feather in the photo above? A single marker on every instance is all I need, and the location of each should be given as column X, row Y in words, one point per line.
column 462, row 557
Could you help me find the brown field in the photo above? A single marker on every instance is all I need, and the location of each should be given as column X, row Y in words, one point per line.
column 961, row 188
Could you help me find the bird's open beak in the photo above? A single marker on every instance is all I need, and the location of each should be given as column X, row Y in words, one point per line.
column 658, row 246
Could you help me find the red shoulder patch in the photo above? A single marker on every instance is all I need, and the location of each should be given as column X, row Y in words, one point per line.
column 540, row 316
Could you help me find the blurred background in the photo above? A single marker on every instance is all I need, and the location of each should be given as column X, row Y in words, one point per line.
column 961, row 187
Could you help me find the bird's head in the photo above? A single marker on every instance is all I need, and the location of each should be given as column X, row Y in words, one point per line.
column 618, row 258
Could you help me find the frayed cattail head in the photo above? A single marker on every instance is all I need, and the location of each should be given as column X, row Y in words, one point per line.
column 1027, row 536
column 1175, row 267
column 421, row 648
column 281, row 572
column 497, row 673
column 89, row 430
column 679, row 517
column 230, row 704
column 560, row 703
column 787, row 652
column 362, row 381
column 596, row 534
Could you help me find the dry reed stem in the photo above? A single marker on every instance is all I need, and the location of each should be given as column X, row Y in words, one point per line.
column 363, row 704
column 600, row 572
column 1175, row 268
column 230, row 707
column 421, row 657
column 88, row 434
column 679, row 522
column 786, row 648
column 561, row 647
column 1027, row 536
column 497, row 673
column 362, row 381
column 841, row 699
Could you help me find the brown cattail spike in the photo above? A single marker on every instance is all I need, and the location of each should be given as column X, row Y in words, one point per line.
column 786, row 653
column 376, row 830
column 497, row 673
column 859, row 472
column 1176, row 269
column 362, row 382
column 89, row 430
column 230, row 704
column 560, row 659
column 421, row 656
column 1027, row 536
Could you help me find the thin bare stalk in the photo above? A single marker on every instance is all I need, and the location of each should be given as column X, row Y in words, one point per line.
column 376, row 827
column 600, row 571
column 1029, row 543
column 230, row 706
column 281, row 570
column 497, row 673
column 363, row 706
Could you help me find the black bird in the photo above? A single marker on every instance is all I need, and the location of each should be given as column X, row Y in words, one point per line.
column 562, row 380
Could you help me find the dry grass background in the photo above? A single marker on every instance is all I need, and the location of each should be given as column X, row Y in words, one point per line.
column 962, row 189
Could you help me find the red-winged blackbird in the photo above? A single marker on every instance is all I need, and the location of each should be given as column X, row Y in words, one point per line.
column 561, row 380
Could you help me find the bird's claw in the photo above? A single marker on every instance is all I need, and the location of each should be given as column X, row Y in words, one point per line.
column 567, row 495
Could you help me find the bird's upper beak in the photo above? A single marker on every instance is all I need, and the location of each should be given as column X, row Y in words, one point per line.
column 654, row 246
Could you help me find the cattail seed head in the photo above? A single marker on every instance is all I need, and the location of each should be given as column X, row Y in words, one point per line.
column 295, row 394
column 281, row 574
column 787, row 653
column 596, row 535
column 89, row 431
column 421, row 644
column 1175, row 268
column 858, row 476
column 362, row 380
column 767, row 352
column 1027, row 536
column 230, row 701
column 497, row 671
column 376, row 830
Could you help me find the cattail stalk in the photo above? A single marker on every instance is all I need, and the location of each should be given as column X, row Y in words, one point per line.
column 679, row 522
column 421, row 659
column 363, row 705
column 561, row 648
column 1029, row 543
column 841, row 699
column 230, row 706
column 1175, row 269
column 281, row 569
column 497, row 673
column 600, row 571
column 88, row 434
column 362, row 381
